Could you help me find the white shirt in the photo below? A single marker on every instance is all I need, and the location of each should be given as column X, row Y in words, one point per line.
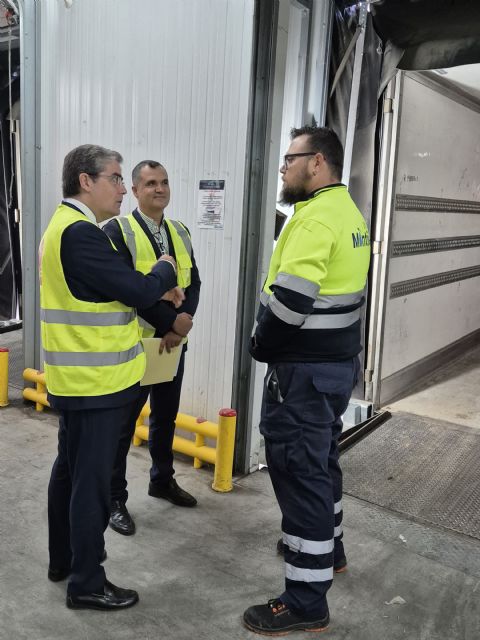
column 83, row 208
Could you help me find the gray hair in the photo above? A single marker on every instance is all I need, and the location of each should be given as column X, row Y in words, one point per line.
column 88, row 158
column 153, row 164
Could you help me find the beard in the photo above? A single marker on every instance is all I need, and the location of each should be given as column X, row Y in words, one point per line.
column 292, row 195
column 295, row 193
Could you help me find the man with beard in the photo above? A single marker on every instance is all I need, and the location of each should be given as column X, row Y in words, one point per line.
column 308, row 331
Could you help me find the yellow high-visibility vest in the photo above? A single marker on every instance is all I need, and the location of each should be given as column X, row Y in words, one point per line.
column 90, row 348
column 143, row 254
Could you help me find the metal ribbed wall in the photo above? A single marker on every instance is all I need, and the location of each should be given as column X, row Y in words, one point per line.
column 433, row 284
column 168, row 81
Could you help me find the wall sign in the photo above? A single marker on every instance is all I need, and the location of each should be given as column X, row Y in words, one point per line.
column 211, row 204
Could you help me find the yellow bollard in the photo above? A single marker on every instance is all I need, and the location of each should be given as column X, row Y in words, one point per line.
column 39, row 394
column 199, row 442
column 3, row 377
column 222, row 477
column 41, row 389
column 223, row 433
column 139, row 423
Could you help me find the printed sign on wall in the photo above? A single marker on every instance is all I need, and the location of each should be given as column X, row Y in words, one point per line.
column 211, row 204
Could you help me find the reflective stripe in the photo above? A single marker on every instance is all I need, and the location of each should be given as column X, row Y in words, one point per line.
column 284, row 313
column 87, row 318
column 295, row 283
column 91, row 359
column 333, row 321
column 264, row 298
column 338, row 531
column 315, row 547
column 129, row 236
column 308, row 575
column 182, row 232
column 342, row 300
column 337, row 507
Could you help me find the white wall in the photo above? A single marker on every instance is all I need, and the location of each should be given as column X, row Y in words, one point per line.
column 167, row 81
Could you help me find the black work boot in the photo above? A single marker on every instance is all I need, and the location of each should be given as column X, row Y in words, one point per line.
column 276, row 619
column 120, row 520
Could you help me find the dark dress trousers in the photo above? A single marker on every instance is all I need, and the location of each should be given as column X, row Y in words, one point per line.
column 164, row 397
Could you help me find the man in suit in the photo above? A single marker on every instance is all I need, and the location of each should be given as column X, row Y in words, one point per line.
column 93, row 361
column 142, row 237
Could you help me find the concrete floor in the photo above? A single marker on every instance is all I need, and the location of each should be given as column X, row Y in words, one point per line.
column 197, row 570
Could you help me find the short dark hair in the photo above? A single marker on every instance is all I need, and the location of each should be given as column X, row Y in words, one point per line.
column 88, row 158
column 325, row 141
column 153, row 164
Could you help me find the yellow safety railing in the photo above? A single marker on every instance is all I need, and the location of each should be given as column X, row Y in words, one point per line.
column 3, row 377
column 224, row 433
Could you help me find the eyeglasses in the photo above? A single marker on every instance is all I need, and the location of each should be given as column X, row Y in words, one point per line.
column 114, row 178
column 287, row 160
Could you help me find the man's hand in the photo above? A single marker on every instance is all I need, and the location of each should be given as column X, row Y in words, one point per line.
column 175, row 295
column 167, row 258
column 169, row 341
column 183, row 323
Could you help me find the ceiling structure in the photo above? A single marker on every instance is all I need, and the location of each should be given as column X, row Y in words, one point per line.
column 438, row 35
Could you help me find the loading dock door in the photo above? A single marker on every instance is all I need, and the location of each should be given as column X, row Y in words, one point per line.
column 425, row 303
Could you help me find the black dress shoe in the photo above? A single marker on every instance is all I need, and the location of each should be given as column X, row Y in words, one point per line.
column 120, row 520
column 57, row 575
column 172, row 492
column 110, row 599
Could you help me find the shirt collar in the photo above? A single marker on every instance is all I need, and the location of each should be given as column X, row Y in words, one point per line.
column 149, row 221
column 83, row 208
column 327, row 186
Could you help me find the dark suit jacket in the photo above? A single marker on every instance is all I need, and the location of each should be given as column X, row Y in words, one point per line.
column 95, row 272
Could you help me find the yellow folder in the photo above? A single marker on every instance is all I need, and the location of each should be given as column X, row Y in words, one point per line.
column 161, row 367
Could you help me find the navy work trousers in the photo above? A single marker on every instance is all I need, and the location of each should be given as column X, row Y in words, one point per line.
column 301, row 422
column 164, row 404
column 79, row 493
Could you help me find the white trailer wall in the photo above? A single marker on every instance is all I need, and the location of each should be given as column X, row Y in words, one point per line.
column 168, row 81
column 432, row 289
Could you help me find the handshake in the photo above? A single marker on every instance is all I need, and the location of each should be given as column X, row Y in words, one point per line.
column 183, row 322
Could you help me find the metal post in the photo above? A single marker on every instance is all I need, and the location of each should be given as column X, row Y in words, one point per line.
column 30, row 155
column 319, row 61
column 355, row 91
